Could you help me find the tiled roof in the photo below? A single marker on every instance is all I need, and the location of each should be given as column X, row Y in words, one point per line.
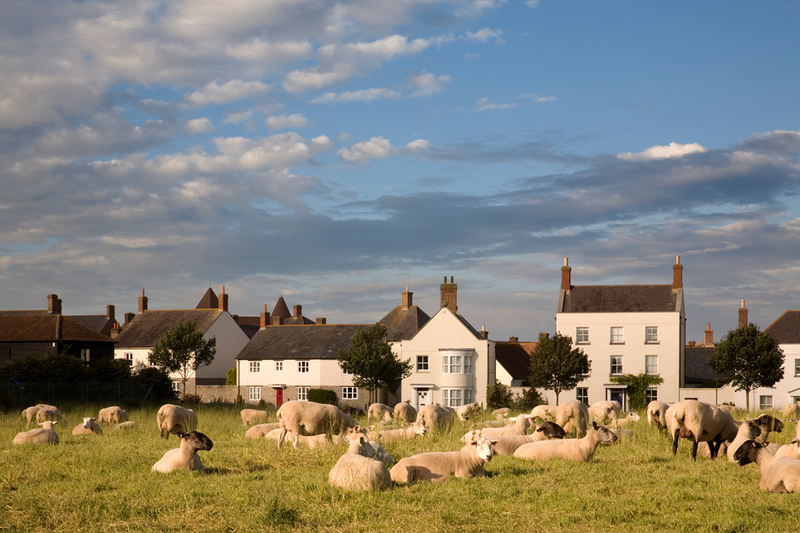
column 249, row 324
column 209, row 300
column 281, row 309
column 620, row 299
column 321, row 341
column 99, row 323
column 402, row 324
column 46, row 328
column 515, row 358
column 696, row 369
column 146, row 328
column 786, row 330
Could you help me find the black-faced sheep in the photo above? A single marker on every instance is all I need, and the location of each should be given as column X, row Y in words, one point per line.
column 405, row 412
column 175, row 419
column 768, row 423
column 573, row 416
column 88, row 427
column 572, row 449
column 112, row 415
column 358, row 470
column 438, row 466
column 43, row 435
column 520, row 427
column 778, row 474
column 185, row 457
column 436, row 419
column 311, row 418
column 700, row 422
column 254, row 416
column 508, row 444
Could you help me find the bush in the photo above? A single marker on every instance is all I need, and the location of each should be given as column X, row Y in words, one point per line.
column 230, row 377
column 498, row 396
column 529, row 399
column 323, row 396
column 162, row 384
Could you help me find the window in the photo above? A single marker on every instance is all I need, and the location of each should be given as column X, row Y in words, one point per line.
column 582, row 394
column 255, row 393
column 650, row 395
column 616, row 364
column 651, row 365
column 797, row 367
column 651, row 334
column 765, row 402
column 422, row 363
column 85, row 354
column 302, row 366
column 302, row 394
column 349, row 393
column 456, row 397
column 176, row 386
column 255, row 366
column 129, row 356
column 581, row 335
column 278, row 366
column 456, row 364
column 616, row 335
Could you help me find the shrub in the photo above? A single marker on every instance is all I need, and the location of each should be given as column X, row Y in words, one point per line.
column 526, row 401
column 323, row 396
column 498, row 395
column 230, row 377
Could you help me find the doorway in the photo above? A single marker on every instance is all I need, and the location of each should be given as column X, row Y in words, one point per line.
column 422, row 397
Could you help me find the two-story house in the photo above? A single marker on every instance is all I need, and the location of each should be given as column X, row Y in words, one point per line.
column 786, row 332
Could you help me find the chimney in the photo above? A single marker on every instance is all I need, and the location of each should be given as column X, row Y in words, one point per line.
column 484, row 333
column 677, row 274
column 53, row 304
column 691, row 344
column 708, row 340
column 115, row 329
column 129, row 317
column 566, row 276
column 110, row 313
column 543, row 336
column 449, row 295
column 277, row 320
column 407, row 299
column 513, row 339
column 743, row 315
column 298, row 311
column 264, row 317
column 223, row 300
column 322, row 321
column 142, row 302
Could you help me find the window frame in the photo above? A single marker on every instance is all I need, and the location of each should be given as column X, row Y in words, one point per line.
column 254, row 393
column 278, row 366
column 255, row 367
column 129, row 356
column 582, row 335
column 796, row 367
column 616, row 362
column 465, row 396
column 647, row 365
column 463, row 365
column 302, row 394
column 425, row 363
column 582, row 394
column 349, row 393
column 651, row 335
column 303, row 367
column 765, row 401
column 617, row 335
column 650, row 394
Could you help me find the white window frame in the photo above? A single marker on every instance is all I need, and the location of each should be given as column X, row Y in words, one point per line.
column 651, row 365
column 303, row 367
column 86, row 355
column 349, row 393
column 302, row 393
column 452, row 397
column 796, row 367
column 176, row 386
column 254, row 394
column 129, row 356
column 616, row 362
column 278, row 366
column 765, row 402
column 255, row 366
column 582, row 394
column 617, row 335
column 650, row 394
column 582, row 335
column 651, row 334
column 423, row 363
column 457, row 364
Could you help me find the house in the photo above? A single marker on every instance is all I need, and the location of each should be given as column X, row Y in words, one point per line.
column 513, row 363
column 141, row 332
column 625, row 329
column 786, row 332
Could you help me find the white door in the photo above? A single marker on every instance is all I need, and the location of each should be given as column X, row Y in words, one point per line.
column 422, row 398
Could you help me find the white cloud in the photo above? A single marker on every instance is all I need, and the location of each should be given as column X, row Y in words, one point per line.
column 231, row 91
column 427, row 84
column 283, row 122
column 364, row 95
column 484, row 104
column 389, row 47
column 313, row 78
column 375, row 148
column 258, row 50
column 539, row 99
column 238, row 117
column 672, row 150
column 532, row 3
column 198, row 125
column 483, row 36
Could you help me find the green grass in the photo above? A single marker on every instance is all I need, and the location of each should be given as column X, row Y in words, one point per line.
column 91, row 483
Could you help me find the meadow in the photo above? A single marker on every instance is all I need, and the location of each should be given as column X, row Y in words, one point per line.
column 92, row 483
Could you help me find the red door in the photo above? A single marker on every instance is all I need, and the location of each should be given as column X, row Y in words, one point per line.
column 278, row 397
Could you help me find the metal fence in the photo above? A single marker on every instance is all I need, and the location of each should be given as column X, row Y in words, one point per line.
column 96, row 392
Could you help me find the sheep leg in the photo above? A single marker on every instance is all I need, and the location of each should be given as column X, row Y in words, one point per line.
column 694, row 451
column 281, row 437
column 675, row 442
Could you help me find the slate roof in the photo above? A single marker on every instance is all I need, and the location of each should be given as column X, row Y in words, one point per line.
column 515, row 358
column 249, row 324
column 317, row 341
column 281, row 309
column 402, row 324
column 696, row 370
column 786, row 330
column 209, row 300
column 620, row 299
column 146, row 328
column 99, row 323
column 46, row 328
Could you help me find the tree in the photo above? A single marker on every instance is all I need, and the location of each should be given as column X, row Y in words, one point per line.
column 748, row 359
column 556, row 366
column 371, row 361
column 637, row 388
column 498, row 395
column 183, row 349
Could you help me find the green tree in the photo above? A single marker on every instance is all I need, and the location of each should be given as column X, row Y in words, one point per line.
column 230, row 377
column 637, row 388
column 556, row 365
column 183, row 349
column 498, row 396
column 748, row 359
column 371, row 361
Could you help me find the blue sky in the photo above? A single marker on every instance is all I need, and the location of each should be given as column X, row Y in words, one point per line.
column 336, row 152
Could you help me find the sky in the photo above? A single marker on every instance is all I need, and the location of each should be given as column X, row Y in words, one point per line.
column 335, row 153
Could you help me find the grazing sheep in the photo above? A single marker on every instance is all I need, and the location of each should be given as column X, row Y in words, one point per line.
column 379, row 411
column 185, row 457
column 405, row 412
column 438, row 466
column 791, row 450
column 656, row 414
column 175, row 419
column 53, row 415
column 29, row 414
column 465, row 411
column 768, row 423
column 508, row 444
column 43, row 435
column 501, row 413
column 604, row 412
column 573, row 416
column 545, row 412
column 130, row 424
column 573, row 449
column 520, row 427
column 112, row 415
column 700, row 422
column 88, row 427
column 395, row 435
column 748, row 430
column 311, row 418
column 357, row 470
column 791, row 410
column 781, row 474
column 260, row 430
column 436, row 418
column 254, row 416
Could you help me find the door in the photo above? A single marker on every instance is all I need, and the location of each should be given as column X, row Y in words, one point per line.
column 278, row 397
column 617, row 395
column 423, row 398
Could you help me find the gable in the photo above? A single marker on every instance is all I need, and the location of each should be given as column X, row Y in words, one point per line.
column 786, row 330
column 620, row 299
column 446, row 328
column 402, row 324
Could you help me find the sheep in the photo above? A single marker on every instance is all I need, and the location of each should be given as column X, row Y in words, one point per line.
column 358, row 470
column 748, row 430
column 508, row 444
column 629, row 418
column 545, row 412
column 791, row 450
column 311, row 441
column 501, row 413
column 488, row 424
column 781, row 474
column 573, row 449
column 175, row 419
column 130, row 424
column 465, row 411
column 405, row 412
column 604, row 412
column 656, row 414
column 253, row 416
column 29, row 414
column 735, row 412
column 45, row 414
column 791, row 410
column 43, row 435
column 89, row 426
column 520, row 427
column 260, row 430
column 573, row 416
column 438, row 466
column 436, row 418
column 768, row 423
column 310, row 418
column 700, row 422
column 112, row 415
column 185, row 457
column 394, row 435
column 379, row 411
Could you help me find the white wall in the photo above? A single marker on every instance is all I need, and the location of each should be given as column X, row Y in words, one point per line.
column 784, row 390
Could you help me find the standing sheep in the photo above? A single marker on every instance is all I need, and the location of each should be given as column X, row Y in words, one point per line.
column 465, row 411
column 545, row 412
column 357, row 470
column 604, row 412
column 700, row 422
column 436, row 418
column 46, row 414
column 88, row 427
column 438, row 466
column 781, row 474
column 405, row 412
column 112, row 415
column 175, row 419
column 656, row 414
column 254, row 416
column 573, row 449
column 573, row 416
column 379, row 411
column 185, row 457
column 43, row 435
column 311, row 418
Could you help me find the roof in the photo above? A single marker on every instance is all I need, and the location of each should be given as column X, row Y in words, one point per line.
column 696, row 369
column 249, row 324
column 281, row 309
column 620, row 299
column 209, row 300
column 46, row 328
column 99, row 323
column 402, row 324
column 786, row 330
column 515, row 358
column 146, row 328
column 317, row 341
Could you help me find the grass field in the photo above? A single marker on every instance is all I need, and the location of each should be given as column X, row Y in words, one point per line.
column 92, row 483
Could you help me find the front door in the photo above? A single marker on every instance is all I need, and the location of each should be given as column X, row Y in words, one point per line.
column 617, row 395
column 423, row 398
column 278, row 397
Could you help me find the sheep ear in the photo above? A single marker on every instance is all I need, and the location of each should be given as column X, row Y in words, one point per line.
column 594, row 424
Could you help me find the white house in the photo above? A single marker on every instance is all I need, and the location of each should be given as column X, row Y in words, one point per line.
column 786, row 332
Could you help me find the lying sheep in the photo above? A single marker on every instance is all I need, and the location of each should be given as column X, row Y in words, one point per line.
column 781, row 474
column 573, row 416
column 465, row 411
column 436, row 418
column 88, row 427
column 175, row 419
column 395, row 435
column 573, row 449
column 629, row 419
column 438, row 466
column 379, row 411
column 316, row 441
column 545, row 412
column 260, row 430
column 310, row 418
column 112, row 415
column 791, row 410
column 791, row 450
column 405, row 412
column 656, row 412
column 700, row 422
column 46, row 414
column 520, row 427
column 604, row 412
column 358, row 470
column 748, row 430
column 768, row 423
column 185, row 457
column 501, row 413
column 130, row 424
column 508, row 444
column 43, row 435
column 253, row 416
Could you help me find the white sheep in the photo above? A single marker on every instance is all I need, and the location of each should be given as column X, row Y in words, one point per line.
column 573, row 449
column 311, row 418
column 29, row 414
column 260, row 430
column 395, row 435
column 379, row 411
column 358, row 470
column 778, row 474
column 112, row 415
column 748, row 430
column 405, row 412
column 436, row 418
column 573, row 416
column 630, row 417
column 47, row 414
column 438, row 466
column 508, row 444
column 791, row 410
column 656, row 414
column 89, row 426
column 254, row 416
column 185, row 457
column 175, row 419
column 465, row 411
column 791, row 450
column 130, row 424
column 520, row 427
column 735, row 412
column 316, row 441
column 501, row 413
column 604, row 412
column 545, row 412
column 700, row 422
column 43, row 435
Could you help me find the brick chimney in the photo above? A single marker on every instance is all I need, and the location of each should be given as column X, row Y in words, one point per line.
column 322, row 321
column 708, row 339
column 449, row 295
column 264, row 317
column 743, row 315
column 223, row 300
column 142, row 302
column 484, row 333
column 677, row 274
column 115, row 329
column 53, row 304
column 277, row 320
column 407, row 299
column 566, row 276
column 129, row 317
column 298, row 311
column 110, row 311
column 513, row 339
